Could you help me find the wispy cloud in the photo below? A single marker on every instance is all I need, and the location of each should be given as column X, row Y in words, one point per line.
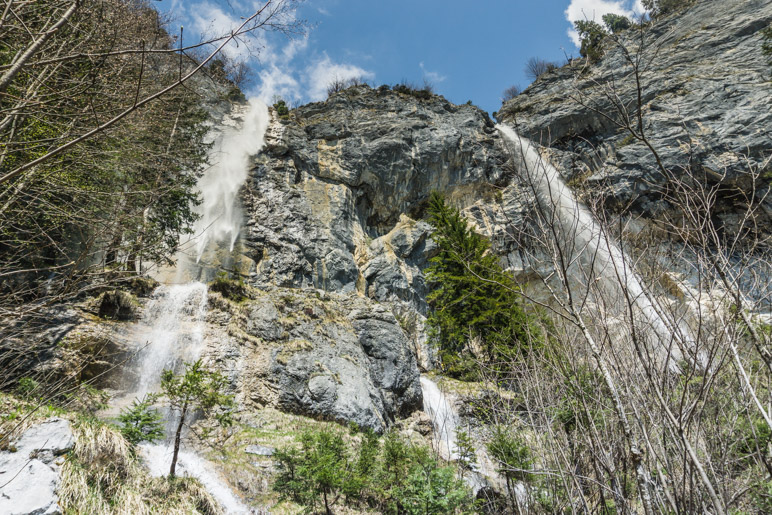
column 323, row 71
column 433, row 77
column 595, row 9
column 283, row 67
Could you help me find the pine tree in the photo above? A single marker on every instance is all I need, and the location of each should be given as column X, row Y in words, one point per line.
column 472, row 296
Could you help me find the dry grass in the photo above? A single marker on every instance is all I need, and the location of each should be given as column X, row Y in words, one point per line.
column 102, row 475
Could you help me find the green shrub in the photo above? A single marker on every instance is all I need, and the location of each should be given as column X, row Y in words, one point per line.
column 233, row 289
column 591, row 35
column 421, row 93
column 140, row 422
column 392, row 477
column 661, row 7
column 616, row 23
column 26, row 388
column 281, row 109
column 766, row 44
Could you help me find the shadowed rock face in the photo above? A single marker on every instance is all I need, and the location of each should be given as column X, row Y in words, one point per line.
column 707, row 105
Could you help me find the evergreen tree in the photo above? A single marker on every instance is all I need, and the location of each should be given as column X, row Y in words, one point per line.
column 195, row 389
column 139, row 422
column 472, row 297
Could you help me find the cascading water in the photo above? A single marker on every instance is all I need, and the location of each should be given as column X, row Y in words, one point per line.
column 220, row 216
column 590, row 246
column 172, row 330
column 445, row 422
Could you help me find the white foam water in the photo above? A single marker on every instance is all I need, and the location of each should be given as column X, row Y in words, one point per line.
column 158, row 458
column 172, row 329
column 241, row 137
column 590, row 247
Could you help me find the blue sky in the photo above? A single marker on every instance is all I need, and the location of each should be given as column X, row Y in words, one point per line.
column 467, row 50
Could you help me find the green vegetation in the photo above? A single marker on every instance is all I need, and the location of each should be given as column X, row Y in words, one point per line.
column 424, row 92
column 473, row 298
column 140, row 422
column 196, row 389
column 591, row 35
column 616, row 23
column 233, row 289
column 391, row 476
column 766, row 44
column 662, row 7
column 281, row 109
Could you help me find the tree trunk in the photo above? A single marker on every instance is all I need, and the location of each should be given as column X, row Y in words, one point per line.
column 326, row 504
column 177, row 438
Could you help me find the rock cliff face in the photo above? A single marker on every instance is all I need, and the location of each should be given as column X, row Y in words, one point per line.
column 706, row 103
column 335, row 199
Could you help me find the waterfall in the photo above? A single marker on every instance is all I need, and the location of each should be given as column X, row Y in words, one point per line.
column 172, row 328
column 445, row 422
column 236, row 141
column 444, row 419
column 588, row 243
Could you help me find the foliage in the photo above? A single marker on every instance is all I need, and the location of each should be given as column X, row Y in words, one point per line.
column 465, row 449
column 511, row 92
column 536, row 67
column 140, row 422
column 26, row 388
column 395, row 477
column 337, row 84
column 233, row 289
column 424, row 92
column 591, row 35
column 281, row 108
column 511, row 452
column 196, row 389
column 662, row 7
column 766, row 45
column 616, row 22
column 472, row 297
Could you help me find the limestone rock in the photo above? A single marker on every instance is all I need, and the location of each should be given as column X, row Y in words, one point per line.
column 707, row 107
column 30, row 475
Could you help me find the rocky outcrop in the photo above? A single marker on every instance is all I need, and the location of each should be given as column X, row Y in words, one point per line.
column 706, row 104
column 335, row 197
column 331, row 356
column 29, row 470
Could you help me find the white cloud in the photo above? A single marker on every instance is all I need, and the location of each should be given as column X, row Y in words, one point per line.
column 595, row 9
column 433, row 77
column 323, row 71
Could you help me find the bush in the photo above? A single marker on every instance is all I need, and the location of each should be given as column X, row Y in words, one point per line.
column 591, row 35
column 395, row 477
column 423, row 93
column 616, row 23
column 233, row 289
column 766, row 44
column 139, row 422
column 281, row 109
column 26, row 388
column 661, row 7
column 536, row 67
column 510, row 93
column 337, row 84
